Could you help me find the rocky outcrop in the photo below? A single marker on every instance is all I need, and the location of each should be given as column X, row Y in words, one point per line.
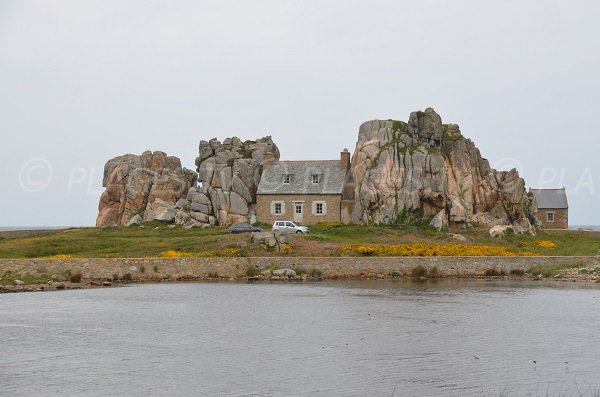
column 228, row 175
column 428, row 168
column 142, row 188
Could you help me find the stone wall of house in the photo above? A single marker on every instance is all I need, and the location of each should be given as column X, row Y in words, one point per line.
column 561, row 218
column 264, row 203
column 157, row 269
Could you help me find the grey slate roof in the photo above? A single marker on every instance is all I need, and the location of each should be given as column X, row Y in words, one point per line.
column 331, row 177
column 551, row 198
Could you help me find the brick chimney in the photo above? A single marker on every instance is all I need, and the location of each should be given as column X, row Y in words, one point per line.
column 345, row 159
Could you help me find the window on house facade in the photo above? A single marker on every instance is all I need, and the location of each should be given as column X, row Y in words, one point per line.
column 277, row 208
column 287, row 178
column 319, row 208
column 550, row 216
column 315, row 178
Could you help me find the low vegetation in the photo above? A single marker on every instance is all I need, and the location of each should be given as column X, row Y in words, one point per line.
column 494, row 273
column 252, row 271
column 9, row 278
column 325, row 239
column 421, row 272
column 424, row 249
column 418, row 272
column 550, row 270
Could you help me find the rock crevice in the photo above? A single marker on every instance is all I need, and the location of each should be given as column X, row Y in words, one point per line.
column 228, row 175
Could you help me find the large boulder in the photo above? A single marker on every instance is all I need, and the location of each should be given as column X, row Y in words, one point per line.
column 229, row 173
column 428, row 168
column 145, row 187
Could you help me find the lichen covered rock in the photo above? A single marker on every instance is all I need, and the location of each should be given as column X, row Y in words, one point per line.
column 142, row 188
column 429, row 168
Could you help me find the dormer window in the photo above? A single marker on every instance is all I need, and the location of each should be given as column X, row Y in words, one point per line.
column 287, row 178
column 315, row 178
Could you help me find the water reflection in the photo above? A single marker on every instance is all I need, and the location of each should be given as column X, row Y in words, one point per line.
column 354, row 338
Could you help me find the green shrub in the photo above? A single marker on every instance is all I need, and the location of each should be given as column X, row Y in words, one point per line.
column 418, row 271
column 316, row 273
column 75, row 278
column 252, row 271
column 517, row 272
column 126, row 277
column 300, row 270
column 142, row 269
column 434, row 272
column 492, row 273
column 155, row 268
column 213, row 275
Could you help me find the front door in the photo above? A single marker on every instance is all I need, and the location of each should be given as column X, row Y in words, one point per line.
column 298, row 211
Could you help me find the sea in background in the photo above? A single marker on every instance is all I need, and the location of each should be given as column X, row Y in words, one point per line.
column 12, row 228
column 342, row 338
column 590, row 227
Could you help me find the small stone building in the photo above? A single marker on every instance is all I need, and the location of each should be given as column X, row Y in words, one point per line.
column 553, row 207
column 306, row 192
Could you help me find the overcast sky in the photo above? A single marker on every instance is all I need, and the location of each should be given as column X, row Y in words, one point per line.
column 84, row 81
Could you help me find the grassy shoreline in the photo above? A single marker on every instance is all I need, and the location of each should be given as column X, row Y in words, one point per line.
column 154, row 239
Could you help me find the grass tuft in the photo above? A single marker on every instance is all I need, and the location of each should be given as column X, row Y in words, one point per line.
column 252, row 271
column 418, row 271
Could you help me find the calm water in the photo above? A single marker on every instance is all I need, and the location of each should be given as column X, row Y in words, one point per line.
column 327, row 339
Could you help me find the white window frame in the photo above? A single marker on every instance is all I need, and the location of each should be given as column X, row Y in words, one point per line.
column 274, row 208
column 287, row 178
column 323, row 208
column 550, row 214
column 315, row 179
column 295, row 205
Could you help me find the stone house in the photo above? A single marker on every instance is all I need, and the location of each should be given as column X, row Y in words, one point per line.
column 553, row 207
column 306, row 192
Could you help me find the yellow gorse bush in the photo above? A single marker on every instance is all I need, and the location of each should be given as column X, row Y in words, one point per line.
column 61, row 256
column 175, row 254
column 547, row 244
column 423, row 249
column 230, row 252
column 210, row 254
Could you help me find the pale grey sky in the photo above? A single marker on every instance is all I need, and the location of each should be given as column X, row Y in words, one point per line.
column 84, row 81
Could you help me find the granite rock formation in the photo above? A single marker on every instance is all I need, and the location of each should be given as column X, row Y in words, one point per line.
column 228, row 175
column 429, row 168
column 142, row 188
